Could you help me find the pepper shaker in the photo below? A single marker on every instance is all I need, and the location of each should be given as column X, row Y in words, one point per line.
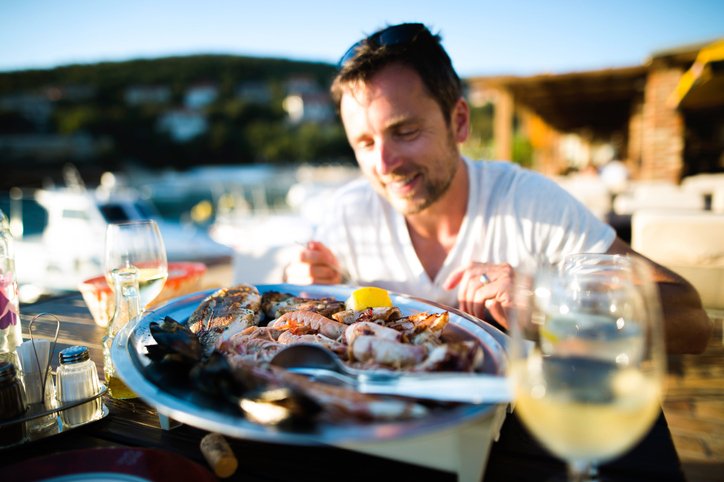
column 77, row 379
column 12, row 404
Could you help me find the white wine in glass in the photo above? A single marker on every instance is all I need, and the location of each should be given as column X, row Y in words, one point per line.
column 139, row 245
column 587, row 358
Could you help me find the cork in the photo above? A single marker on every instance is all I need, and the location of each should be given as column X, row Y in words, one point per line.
column 219, row 455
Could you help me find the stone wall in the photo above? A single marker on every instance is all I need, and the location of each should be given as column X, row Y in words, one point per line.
column 662, row 128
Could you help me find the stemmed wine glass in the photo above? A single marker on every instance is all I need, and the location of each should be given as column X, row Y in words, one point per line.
column 139, row 245
column 587, row 357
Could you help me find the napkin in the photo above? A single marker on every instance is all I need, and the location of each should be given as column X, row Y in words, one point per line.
column 34, row 368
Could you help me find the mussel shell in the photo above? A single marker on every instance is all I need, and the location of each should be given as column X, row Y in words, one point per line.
column 175, row 339
column 214, row 376
column 179, row 361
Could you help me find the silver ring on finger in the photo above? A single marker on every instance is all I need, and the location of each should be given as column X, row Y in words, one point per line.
column 484, row 279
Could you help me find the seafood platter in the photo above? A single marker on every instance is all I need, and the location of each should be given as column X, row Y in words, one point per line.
column 204, row 359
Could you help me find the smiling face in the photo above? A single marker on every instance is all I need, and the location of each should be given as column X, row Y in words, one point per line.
column 401, row 139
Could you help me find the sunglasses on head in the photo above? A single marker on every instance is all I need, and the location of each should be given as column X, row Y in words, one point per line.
column 391, row 36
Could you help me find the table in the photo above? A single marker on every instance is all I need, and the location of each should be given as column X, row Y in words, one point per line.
column 132, row 423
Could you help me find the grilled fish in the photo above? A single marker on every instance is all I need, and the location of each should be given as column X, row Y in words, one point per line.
column 226, row 311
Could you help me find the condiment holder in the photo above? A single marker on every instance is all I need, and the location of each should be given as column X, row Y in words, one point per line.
column 50, row 408
column 34, row 356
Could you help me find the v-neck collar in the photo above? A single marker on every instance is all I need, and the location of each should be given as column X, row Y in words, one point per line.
column 408, row 249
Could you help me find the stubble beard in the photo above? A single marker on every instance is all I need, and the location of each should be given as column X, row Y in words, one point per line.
column 434, row 186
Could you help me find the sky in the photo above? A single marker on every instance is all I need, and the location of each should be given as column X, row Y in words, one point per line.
column 483, row 37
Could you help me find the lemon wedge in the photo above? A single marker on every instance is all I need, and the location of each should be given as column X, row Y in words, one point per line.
column 368, row 297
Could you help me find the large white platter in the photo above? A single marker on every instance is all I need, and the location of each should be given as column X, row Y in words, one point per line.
column 129, row 356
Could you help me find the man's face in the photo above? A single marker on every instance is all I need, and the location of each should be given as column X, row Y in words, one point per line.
column 401, row 139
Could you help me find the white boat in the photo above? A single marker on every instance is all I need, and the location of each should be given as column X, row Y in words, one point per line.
column 70, row 247
column 265, row 240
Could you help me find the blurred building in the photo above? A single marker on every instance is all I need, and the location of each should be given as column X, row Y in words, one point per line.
column 309, row 107
column 306, row 101
column 664, row 119
column 200, row 95
column 254, row 92
column 183, row 125
column 147, row 94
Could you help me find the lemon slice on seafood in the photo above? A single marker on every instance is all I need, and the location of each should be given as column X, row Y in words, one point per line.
column 368, row 297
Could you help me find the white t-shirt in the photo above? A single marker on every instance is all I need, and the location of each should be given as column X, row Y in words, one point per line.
column 514, row 216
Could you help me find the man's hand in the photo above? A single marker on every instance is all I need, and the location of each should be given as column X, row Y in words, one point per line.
column 483, row 286
column 315, row 264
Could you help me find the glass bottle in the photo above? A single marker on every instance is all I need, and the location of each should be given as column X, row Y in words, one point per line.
column 12, row 404
column 11, row 335
column 127, row 310
column 77, row 379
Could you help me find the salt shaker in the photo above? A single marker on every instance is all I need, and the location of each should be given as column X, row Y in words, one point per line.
column 12, row 404
column 77, row 379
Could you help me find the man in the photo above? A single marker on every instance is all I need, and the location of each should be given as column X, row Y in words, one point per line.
column 429, row 222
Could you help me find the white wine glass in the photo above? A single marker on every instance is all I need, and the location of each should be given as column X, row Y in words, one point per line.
column 139, row 245
column 587, row 357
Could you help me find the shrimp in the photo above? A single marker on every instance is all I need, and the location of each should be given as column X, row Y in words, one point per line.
column 372, row 349
column 368, row 328
column 463, row 356
column 404, row 326
column 378, row 315
column 301, row 322
column 254, row 343
column 289, row 338
column 424, row 338
column 435, row 322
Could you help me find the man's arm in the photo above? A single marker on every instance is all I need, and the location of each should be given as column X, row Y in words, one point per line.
column 687, row 325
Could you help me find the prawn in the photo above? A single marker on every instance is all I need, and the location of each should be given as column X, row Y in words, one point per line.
column 372, row 329
column 373, row 349
column 382, row 315
column 463, row 356
column 255, row 343
column 289, row 338
column 302, row 322
column 435, row 322
column 421, row 328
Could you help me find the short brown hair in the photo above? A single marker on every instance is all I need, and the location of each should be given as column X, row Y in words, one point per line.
column 410, row 44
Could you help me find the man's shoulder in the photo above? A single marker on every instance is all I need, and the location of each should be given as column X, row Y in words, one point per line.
column 495, row 167
column 505, row 187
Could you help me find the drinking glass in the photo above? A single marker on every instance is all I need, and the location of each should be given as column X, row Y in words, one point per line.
column 139, row 245
column 587, row 357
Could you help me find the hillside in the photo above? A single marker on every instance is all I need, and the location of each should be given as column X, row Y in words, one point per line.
column 184, row 70
column 172, row 112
